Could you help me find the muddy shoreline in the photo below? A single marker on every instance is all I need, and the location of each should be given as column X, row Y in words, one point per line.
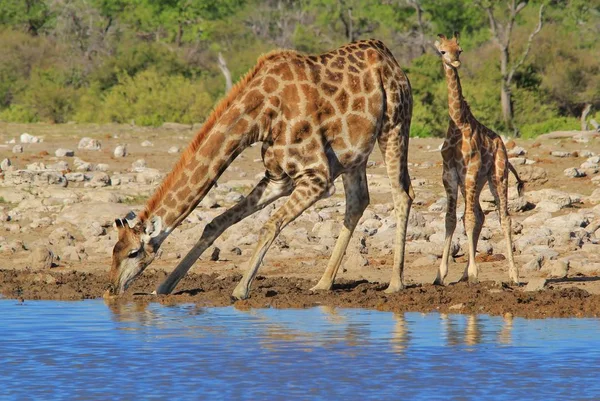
column 488, row 297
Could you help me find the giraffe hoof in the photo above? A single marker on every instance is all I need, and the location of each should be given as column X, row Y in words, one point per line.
column 394, row 288
column 473, row 280
column 438, row 281
column 239, row 294
column 320, row 287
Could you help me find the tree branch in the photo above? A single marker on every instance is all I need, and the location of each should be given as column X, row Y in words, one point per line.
column 226, row 72
column 528, row 47
column 416, row 4
column 493, row 22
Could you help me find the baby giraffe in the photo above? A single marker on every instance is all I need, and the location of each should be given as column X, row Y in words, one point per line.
column 472, row 155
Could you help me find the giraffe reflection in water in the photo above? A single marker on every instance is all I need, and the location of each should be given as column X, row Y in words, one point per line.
column 330, row 327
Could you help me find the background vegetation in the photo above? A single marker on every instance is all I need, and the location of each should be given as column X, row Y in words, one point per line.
column 151, row 61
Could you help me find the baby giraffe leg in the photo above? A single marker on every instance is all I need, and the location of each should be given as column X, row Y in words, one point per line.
column 451, row 183
column 500, row 193
column 471, row 225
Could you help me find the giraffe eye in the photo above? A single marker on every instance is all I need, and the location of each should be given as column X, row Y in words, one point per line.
column 443, row 52
column 133, row 253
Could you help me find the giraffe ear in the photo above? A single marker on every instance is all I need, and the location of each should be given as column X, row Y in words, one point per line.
column 131, row 219
column 456, row 36
column 442, row 36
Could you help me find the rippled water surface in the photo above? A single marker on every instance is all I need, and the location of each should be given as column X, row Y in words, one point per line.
column 86, row 350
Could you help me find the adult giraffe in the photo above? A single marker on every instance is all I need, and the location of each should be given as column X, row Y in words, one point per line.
column 318, row 117
column 472, row 155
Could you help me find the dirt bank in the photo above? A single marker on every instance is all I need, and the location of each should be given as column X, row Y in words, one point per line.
column 283, row 292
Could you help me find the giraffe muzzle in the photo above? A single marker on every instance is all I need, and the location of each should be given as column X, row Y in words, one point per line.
column 455, row 64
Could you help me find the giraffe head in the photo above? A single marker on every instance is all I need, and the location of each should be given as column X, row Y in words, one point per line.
column 134, row 251
column 449, row 49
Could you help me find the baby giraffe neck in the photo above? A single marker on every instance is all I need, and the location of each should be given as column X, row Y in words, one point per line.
column 456, row 103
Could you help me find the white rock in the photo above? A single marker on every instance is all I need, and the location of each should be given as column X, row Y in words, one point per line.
column 516, row 151
column 99, row 179
column 101, row 167
column 41, row 258
column 61, row 165
column 62, row 152
column 174, row 149
column 5, row 164
column 574, row 172
column 563, row 199
column 17, row 149
column 559, row 153
column 103, row 213
column 26, row 138
column 89, row 144
column 75, row 177
column 556, row 268
column 146, row 144
column 37, row 166
column 138, row 164
column 547, row 206
column 535, row 284
column 148, row 176
column 120, row 151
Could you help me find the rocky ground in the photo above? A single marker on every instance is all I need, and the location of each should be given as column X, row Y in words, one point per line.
column 62, row 186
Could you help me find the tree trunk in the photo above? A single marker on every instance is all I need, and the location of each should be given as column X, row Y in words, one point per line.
column 584, row 113
column 505, row 94
column 226, row 72
column 350, row 27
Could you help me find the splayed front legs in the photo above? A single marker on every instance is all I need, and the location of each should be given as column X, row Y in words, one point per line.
column 267, row 191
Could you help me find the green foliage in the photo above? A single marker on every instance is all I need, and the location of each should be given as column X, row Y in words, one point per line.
column 554, row 124
column 151, row 61
column 149, row 98
column 48, row 97
column 18, row 113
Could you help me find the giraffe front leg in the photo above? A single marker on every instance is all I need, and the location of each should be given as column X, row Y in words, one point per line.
column 357, row 200
column 473, row 224
column 307, row 191
column 451, row 186
column 266, row 191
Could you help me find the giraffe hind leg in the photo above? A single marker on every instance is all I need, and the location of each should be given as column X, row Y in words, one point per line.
column 394, row 146
column 357, row 200
column 500, row 192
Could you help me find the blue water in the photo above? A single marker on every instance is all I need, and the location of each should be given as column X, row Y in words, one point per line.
column 87, row 351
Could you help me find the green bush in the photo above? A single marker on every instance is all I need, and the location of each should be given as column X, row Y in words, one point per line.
column 420, row 130
column 19, row 114
column 554, row 124
column 149, row 98
column 47, row 97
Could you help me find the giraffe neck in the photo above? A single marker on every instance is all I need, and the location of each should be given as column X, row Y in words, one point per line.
column 206, row 158
column 457, row 107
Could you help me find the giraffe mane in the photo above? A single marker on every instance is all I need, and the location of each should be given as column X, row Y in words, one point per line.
column 209, row 123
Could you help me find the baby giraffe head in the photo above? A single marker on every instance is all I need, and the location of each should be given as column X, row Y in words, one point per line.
column 449, row 49
column 134, row 251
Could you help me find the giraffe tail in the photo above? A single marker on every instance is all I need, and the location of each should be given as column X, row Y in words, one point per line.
column 520, row 183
